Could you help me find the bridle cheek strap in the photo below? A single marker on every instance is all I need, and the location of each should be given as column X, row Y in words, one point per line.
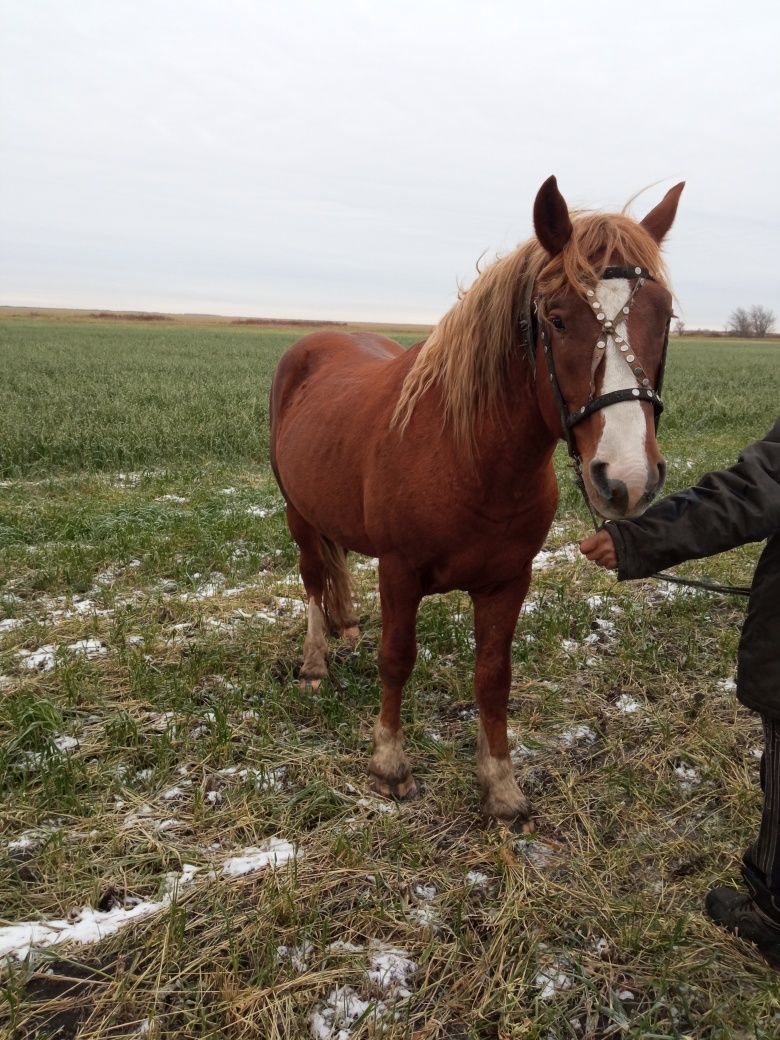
column 643, row 392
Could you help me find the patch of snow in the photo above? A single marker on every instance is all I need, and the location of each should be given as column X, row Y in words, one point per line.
column 553, row 979
column 601, row 947
column 296, row 955
column 626, row 994
column 257, row 511
column 229, row 491
column 31, row 839
column 545, row 559
column 687, row 776
column 87, row 925
column 173, row 793
column 425, row 892
column 570, row 645
column 178, row 499
column 627, row 705
column 536, row 852
column 477, row 878
column 129, row 479
column 728, row 685
column 334, row 1019
column 595, row 601
column 45, row 658
column 376, row 805
column 9, row 624
column 61, row 743
column 263, row 779
column 390, row 969
column 607, row 627
column 425, row 917
column 367, row 565
column 581, row 734
column 294, row 606
column 274, row 853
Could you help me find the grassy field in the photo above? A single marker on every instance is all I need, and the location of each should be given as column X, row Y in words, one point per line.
column 151, row 724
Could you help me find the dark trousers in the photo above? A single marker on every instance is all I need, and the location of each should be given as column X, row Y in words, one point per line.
column 761, row 862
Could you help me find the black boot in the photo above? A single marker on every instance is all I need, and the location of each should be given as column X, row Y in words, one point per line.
column 736, row 912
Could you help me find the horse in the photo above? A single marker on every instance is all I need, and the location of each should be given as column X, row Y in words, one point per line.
column 438, row 459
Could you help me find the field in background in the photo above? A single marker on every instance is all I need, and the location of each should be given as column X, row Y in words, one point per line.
column 150, row 722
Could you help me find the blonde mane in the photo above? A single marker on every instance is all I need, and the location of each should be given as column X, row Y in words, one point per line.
column 467, row 354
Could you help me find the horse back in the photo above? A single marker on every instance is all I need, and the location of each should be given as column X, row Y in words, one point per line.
column 325, row 366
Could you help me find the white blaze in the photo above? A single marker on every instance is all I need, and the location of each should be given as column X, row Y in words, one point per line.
column 622, row 442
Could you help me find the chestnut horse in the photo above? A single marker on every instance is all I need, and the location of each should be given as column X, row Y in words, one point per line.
column 438, row 459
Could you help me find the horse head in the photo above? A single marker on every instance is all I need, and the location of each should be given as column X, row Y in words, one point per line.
column 601, row 314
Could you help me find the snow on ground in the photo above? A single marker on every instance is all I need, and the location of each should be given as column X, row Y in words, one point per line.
column 45, row 657
column 425, row 917
column 536, row 852
column 62, row 743
column 425, row 892
column 687, row 775
column 627, row 705
column 89, row 925
column 8, row 624
column 477, row 878
column 389, row 972
column 545, row 559
column 553, row 979
column 274, row 852
column 580, row 734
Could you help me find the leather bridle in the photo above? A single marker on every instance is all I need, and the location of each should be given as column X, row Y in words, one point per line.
column 530, row 328
column 533, row 324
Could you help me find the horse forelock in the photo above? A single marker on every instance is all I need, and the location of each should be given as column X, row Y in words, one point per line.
column 467, row 356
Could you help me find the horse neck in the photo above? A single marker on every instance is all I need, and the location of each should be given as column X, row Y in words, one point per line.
column 517, row 441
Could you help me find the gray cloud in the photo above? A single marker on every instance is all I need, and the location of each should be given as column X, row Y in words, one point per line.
column 352, row 160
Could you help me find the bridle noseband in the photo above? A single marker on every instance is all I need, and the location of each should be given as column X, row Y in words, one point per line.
column 530, row 326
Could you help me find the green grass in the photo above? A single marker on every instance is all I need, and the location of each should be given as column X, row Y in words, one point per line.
column 99, row 422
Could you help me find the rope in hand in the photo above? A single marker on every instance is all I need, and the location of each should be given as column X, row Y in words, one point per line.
column 692, row 583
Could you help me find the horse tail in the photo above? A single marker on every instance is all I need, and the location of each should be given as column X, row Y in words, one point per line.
column 337, row 590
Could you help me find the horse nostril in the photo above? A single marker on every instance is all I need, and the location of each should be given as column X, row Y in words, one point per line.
column 598, row 474
column 614, row 492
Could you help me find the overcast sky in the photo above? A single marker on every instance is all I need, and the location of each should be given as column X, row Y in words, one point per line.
column 352, row 160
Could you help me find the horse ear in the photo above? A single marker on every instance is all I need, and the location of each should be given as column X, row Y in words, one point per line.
column 659, row 220
column 551, row 217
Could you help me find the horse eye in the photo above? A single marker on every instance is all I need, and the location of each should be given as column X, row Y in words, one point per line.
column 558, row 323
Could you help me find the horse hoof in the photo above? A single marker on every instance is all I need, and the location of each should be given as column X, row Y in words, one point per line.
column 309, row 685
column 351, row 634
column 522, row 825
column 405, row 790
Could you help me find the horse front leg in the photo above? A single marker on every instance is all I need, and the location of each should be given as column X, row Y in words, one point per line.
column 400, row 594
column 495, row 616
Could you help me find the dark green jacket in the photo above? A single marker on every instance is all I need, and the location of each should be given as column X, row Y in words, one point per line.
column 725, row 509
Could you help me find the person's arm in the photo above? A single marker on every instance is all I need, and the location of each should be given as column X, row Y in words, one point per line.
column 725, row 509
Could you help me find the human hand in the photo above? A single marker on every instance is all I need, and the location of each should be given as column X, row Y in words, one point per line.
column 600, row 549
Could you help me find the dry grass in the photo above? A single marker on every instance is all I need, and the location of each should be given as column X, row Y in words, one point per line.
column 594, row 929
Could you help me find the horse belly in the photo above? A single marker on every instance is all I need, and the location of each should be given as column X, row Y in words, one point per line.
column 319, row 452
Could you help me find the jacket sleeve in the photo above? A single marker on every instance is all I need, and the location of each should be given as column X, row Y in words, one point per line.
column 725, row 509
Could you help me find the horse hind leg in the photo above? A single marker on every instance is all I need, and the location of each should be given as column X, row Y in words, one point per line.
column 312, row 567
column 400, row 595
